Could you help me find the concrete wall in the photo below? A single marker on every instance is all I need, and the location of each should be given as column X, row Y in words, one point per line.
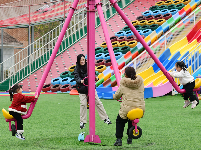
column 8, row 52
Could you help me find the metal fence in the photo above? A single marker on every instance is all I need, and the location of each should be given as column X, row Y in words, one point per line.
column 34, row 13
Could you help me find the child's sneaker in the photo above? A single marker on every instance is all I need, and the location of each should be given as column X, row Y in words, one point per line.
column 20, row 136
column 82, row 125
column 107, row 121
column 187, row 103
column 194, row 104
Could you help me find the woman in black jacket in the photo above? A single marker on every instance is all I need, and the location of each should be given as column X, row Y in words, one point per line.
column 80, row 72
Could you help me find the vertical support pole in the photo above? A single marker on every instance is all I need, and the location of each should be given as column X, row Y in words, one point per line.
column 91, row 70
column 61, row 21
column 64, row 9
column 28, row 53
column 29, row 14
column 1, row 59
column 32, row 39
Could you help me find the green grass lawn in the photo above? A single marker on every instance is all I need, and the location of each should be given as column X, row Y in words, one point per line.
column 54, row 124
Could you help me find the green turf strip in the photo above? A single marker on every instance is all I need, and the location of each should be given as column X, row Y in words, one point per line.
column 54, row 124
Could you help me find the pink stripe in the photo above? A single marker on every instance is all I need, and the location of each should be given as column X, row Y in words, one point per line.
column 162, row 89
column 150, row 85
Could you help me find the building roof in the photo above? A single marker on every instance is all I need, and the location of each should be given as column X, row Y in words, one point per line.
column 8, row 40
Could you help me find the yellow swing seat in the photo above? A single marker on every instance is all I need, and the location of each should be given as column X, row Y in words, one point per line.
column 135, row 114
column 6, row 114
column 197, row 83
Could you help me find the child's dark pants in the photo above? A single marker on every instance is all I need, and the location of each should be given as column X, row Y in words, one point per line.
column 19, row 119
column 120, row 124
column 189, row 91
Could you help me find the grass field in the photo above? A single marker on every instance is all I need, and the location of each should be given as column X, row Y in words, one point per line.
column 54, row 124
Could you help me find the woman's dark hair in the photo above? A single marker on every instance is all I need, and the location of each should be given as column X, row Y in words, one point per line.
column 14, row 89
column 130, row 73
column 84, row 67
column 182, row 65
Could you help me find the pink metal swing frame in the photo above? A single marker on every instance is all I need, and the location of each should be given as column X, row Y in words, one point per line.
column 91, row 5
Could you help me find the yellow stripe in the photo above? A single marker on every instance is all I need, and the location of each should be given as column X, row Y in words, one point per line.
column 187, row 7
column 190, row 50
column 107, row 76
column 147, row 39
column 145, row 74
column 152, row 77
column 193, row 7
column 165, row 80
column 184, row 48
column 178, row 44
column 100, row 76
column 158, row 80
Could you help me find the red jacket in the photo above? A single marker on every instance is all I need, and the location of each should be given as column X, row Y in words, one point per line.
column 19, row 103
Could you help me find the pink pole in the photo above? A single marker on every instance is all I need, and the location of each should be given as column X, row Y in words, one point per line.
column 47, row 69
column 148, row 49
column 109, row 44
column 91, row 70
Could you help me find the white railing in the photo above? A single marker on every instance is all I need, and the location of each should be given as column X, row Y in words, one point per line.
column 143, row 61
column 42, row 46
column 24, row 67
column 192, row 60
column 28, row 10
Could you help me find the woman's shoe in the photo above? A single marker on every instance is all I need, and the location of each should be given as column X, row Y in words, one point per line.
column 82, row 125
column 107, row 121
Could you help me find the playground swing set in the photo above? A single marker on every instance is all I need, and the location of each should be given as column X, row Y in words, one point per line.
column 134, row 114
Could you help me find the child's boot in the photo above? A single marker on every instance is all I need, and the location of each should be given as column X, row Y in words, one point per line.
column 118, row 142
column 194, row 104
column 129, row 140
column 187, row 103
column 19, row 134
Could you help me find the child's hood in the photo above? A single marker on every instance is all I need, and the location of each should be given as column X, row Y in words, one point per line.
column 127, row 82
